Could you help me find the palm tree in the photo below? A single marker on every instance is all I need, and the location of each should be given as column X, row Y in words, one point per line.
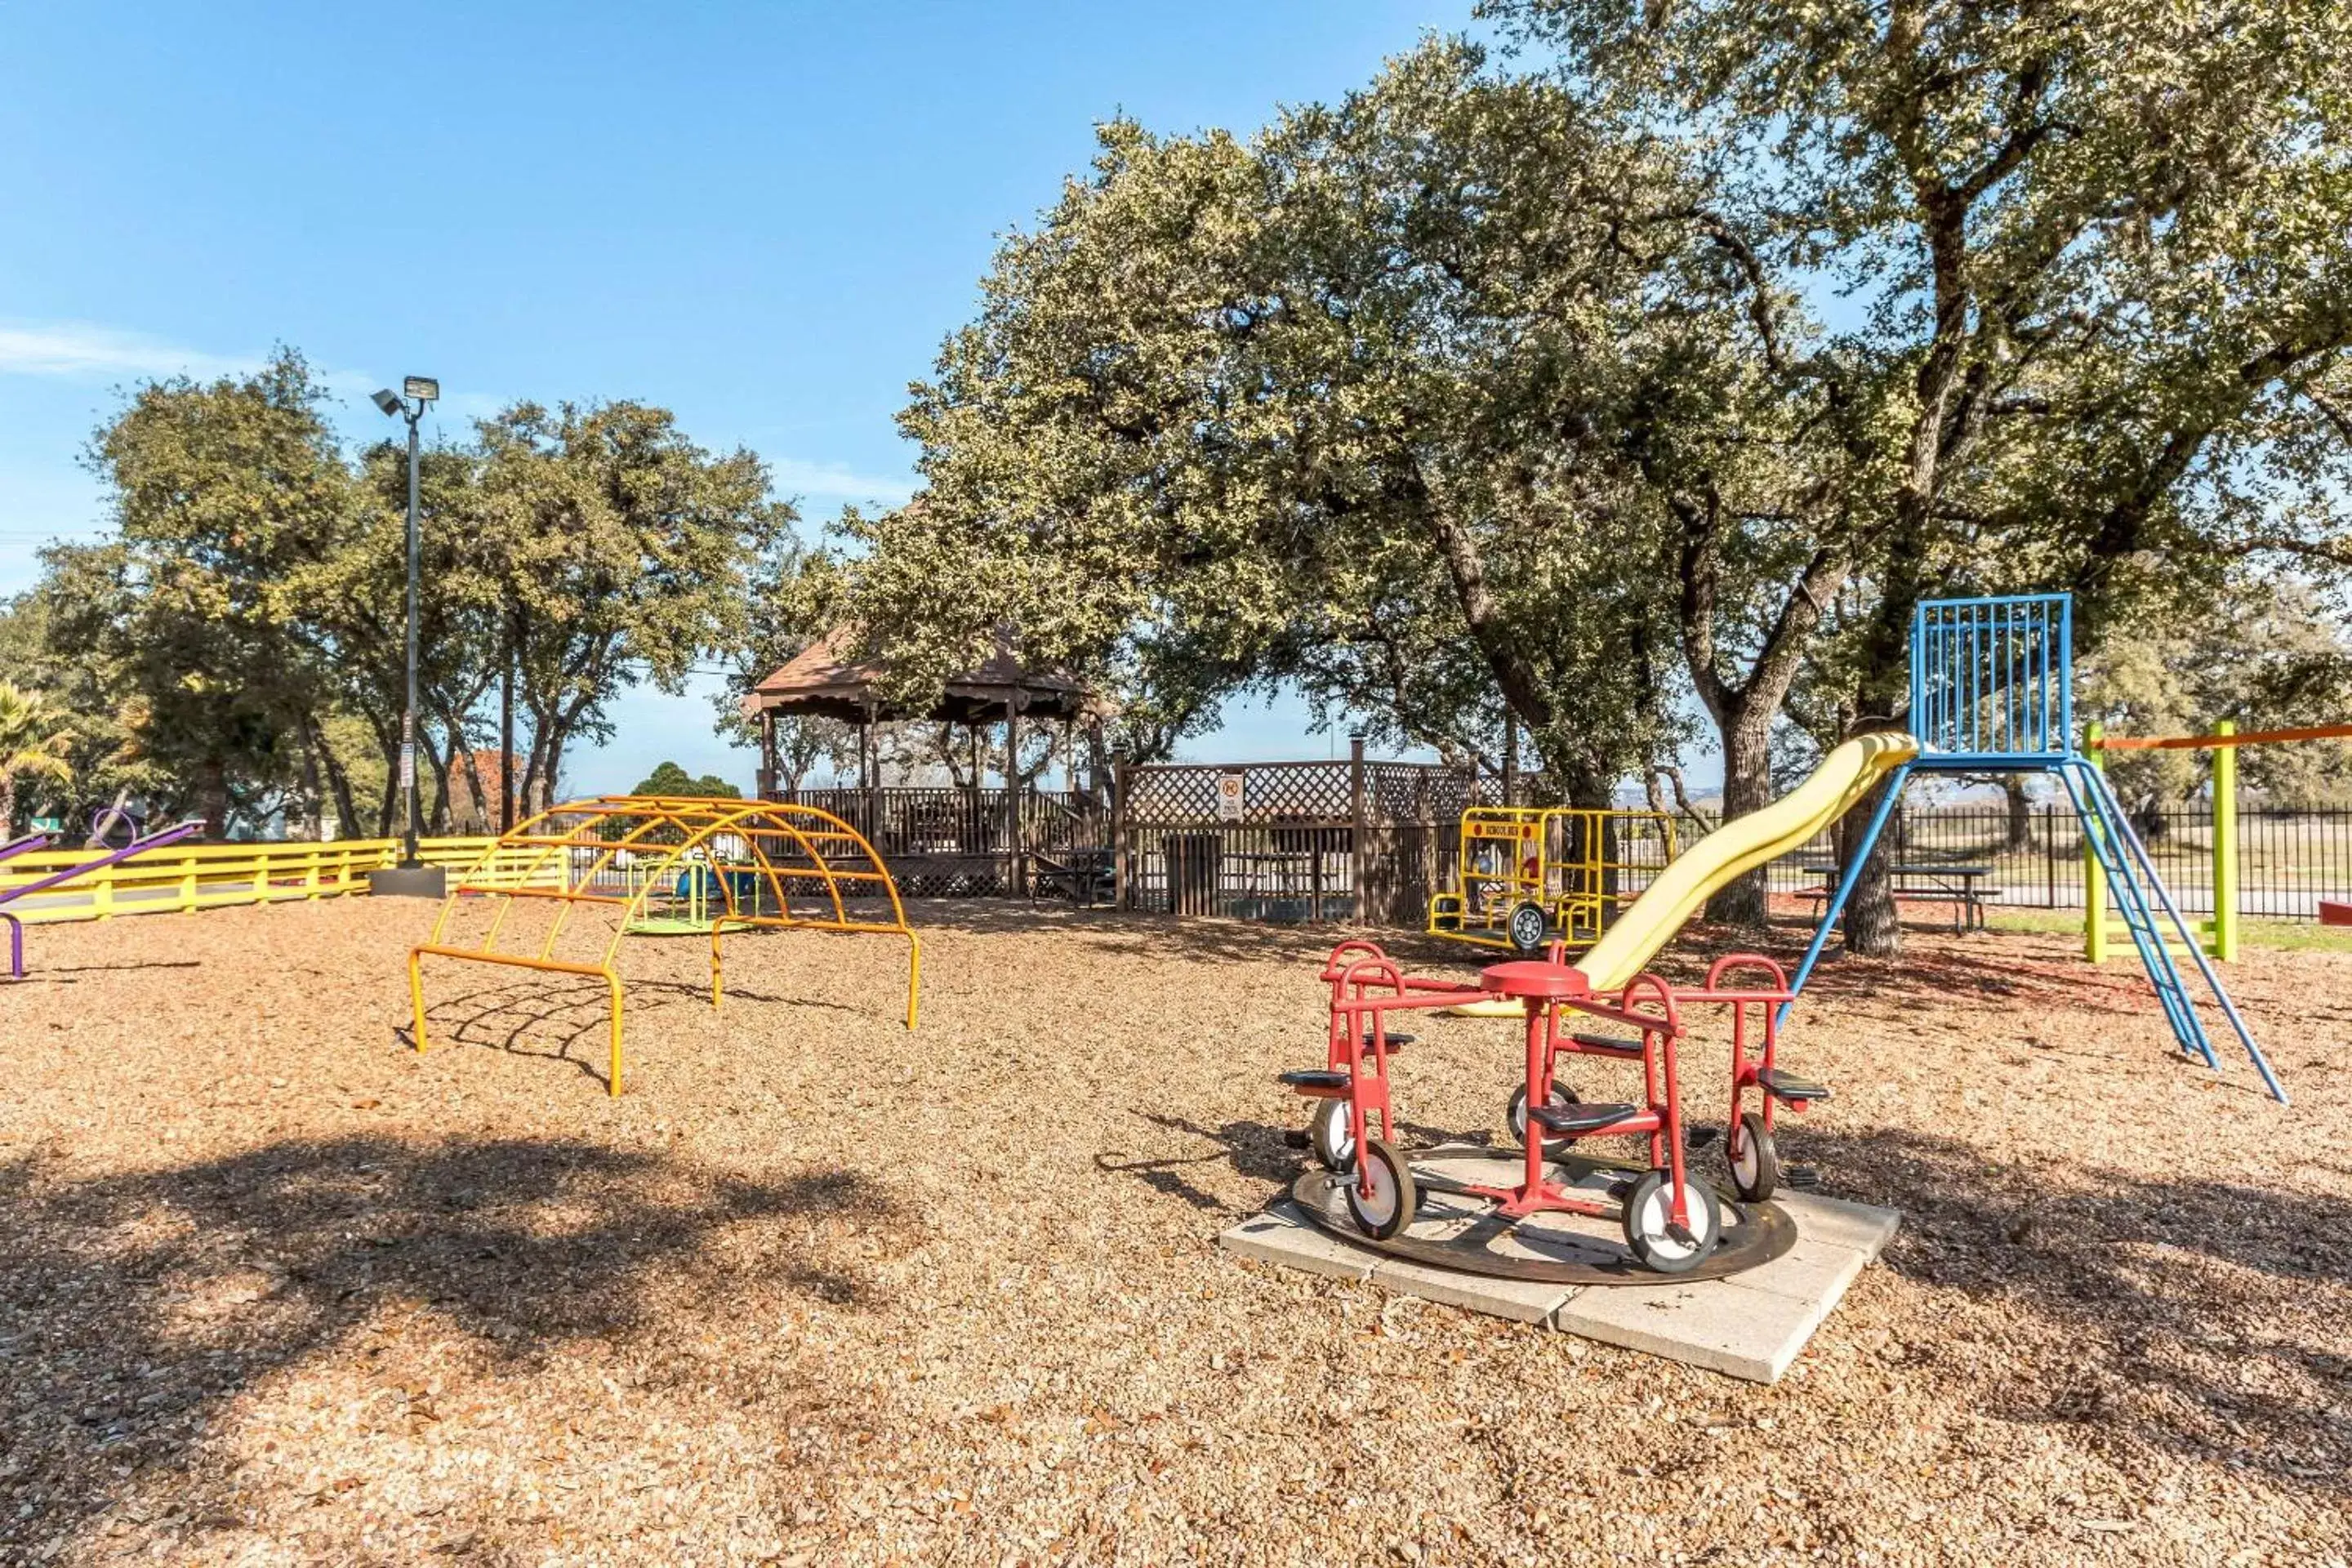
column 31, row 741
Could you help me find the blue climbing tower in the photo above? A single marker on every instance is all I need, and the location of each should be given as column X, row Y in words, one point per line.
column 1993, row 690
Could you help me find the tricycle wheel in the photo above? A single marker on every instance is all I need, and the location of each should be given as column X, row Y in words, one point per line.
column 1755, row 1160
column 1646, row 1216
column 1329, row 1134
column 1517, row 1113
column 1387, row 1207
column 1530, row 928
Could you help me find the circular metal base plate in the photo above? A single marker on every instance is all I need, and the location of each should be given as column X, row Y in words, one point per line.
column 1460, row 1232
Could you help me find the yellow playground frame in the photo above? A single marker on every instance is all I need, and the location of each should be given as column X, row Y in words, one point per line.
column 1529, row 874
column 616, row 850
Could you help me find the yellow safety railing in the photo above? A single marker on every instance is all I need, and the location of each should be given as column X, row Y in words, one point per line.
column 180, row 878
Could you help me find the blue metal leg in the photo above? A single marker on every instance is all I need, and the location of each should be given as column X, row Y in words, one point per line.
column 1836, row 906
column 2137, row 851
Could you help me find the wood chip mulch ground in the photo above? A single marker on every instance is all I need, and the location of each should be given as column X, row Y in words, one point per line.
column 275, row 1289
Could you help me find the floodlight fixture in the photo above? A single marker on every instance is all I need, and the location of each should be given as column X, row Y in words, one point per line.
column 383, row 399
column 423, row 389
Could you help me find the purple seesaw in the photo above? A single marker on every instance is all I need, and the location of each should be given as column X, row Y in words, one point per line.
column 60, row 878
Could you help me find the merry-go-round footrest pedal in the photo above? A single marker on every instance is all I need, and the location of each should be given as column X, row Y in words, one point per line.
column 1610, row 1043
column 1394, row 1040
column 1579, row 1118
column 1800, row 1178
column 1314, row 1077
column 1699, row 1137
column 1788, row 1087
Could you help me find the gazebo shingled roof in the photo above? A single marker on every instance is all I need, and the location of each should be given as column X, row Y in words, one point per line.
column 824, row 679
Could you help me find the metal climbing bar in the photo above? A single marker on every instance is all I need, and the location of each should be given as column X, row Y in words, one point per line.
column 618, row 849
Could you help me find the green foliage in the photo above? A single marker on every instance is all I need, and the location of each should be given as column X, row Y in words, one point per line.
column 224, row 495
column 2264, row 655
column 668, row 779
column 1337, row 406
column 33, row 745
column 2101, row 297
column 239, row 642
column 619, row 550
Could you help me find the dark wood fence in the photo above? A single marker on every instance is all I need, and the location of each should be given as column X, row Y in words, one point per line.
column 1354, row 840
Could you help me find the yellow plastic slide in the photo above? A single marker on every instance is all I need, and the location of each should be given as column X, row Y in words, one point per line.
column 1649, row 921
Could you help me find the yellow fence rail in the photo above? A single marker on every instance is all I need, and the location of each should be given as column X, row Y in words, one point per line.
column 181, row 878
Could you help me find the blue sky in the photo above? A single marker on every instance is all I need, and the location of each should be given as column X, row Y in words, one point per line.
column 764, row 218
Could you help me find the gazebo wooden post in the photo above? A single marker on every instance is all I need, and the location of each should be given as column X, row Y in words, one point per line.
column 1360, row 852
column 767, row 781
column 1121, row 851
column 865, row 772
column 1017, row 882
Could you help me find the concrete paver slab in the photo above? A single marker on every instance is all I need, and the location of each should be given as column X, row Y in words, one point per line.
column 1752, row 1325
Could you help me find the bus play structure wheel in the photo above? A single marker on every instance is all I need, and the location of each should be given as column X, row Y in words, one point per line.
column 1530, row 927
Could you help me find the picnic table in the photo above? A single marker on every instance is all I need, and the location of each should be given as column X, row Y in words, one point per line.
column 1926, row 881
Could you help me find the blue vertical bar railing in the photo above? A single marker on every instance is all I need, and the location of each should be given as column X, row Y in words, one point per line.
column 1993, row 678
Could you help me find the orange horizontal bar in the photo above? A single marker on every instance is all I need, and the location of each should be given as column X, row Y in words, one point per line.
column 517, row 959
column 543, row 893
column 2215, row 743
column 785, row 922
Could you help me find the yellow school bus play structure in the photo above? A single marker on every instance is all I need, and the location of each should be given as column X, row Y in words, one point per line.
column 1529, row 874
column 770, row 865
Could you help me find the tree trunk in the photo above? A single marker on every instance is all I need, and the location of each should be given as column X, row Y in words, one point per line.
column 7, row 804
column 307, row 799
column 212, row 797
column 1747, row 787
column 2019, row 837
column 552, row 771
column 1870, row 925
column 471, row 766
column 339, row 782
column 534, row 764
column 437, row 821
column 389, row 807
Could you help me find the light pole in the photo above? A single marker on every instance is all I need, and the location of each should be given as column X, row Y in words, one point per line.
column 411, row 877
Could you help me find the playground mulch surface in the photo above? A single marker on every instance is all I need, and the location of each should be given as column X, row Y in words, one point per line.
column 818, row 1292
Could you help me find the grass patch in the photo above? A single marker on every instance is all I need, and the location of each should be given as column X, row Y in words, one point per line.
column 2280, row 936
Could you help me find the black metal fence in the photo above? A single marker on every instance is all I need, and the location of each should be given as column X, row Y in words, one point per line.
column 2287, row 860
column 1299, row 846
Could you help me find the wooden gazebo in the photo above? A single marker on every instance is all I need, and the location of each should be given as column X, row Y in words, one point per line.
column 828, row 680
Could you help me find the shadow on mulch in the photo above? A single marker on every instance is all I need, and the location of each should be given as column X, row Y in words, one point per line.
column 547, row 1017
column 2131, row 1327
column 2123, row 1269
column 1253, row 1148
column 119, row 1355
